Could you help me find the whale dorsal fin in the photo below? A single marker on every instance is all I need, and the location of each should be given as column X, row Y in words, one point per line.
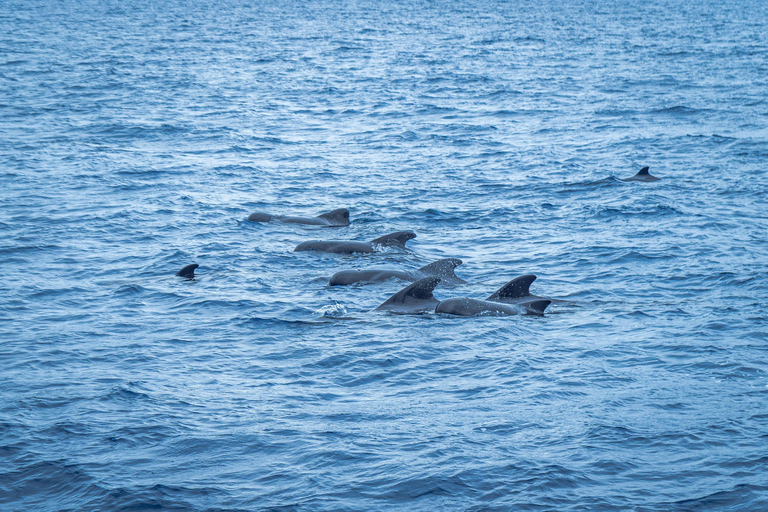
column 516, row 288
column 188, row 272
column 398, row 238
column 340, row 216
column 537, row 307
column 643, row 172
column 442, row 268
column 420, row 291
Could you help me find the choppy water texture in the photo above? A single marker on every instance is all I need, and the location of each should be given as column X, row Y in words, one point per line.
column 136, row 137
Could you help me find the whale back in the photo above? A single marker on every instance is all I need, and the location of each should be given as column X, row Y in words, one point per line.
column 338, row 217
column 346, row 277
column 515, row 289
column 397, row 239
column 414, row 298
column 643, row 175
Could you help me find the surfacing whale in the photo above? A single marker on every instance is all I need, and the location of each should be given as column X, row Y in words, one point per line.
column 417, row 298
column 642, row 175
column 518, row 290
column 442, row 268
column 335, row 218
column 188, row 272
column 396, row 239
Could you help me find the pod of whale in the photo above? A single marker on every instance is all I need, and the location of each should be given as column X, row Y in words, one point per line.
column 418, row 298
column 335, row 218
column 444, row 269
column 642, row 175
column 396, row 239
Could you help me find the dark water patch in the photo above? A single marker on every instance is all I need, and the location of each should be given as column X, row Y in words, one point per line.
column 737, row 498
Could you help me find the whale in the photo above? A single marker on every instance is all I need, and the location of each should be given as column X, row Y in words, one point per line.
column 335, row 218
column 465, row 306
column 413, row 299
column 396, row 239
column 518, row 291
column 188, row 272
column 642, row 175
column 418, row 298
column 442, row 268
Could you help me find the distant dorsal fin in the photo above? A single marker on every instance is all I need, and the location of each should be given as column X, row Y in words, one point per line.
column 516, row 288
column 188, row 272
column 340, row 216
column 398, row 238
column 642, row 172
column 537, row 307
column 421, row 290
column 441, row 268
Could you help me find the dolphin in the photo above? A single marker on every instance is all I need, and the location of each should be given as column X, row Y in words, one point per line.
column 396, row 239
column 441, row 268
column 417, row 298
column 335, row 218
column 188, row 272
column 642, row 175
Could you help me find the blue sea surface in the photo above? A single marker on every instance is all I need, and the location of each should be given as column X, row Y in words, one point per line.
column 136, row 137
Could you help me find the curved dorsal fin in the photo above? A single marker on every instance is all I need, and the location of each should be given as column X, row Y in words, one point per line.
column 643, row 171
column 442, row 268
column 339, row 216
column 397, row 238
column 421, row 290
column 516, row 288
column 537, row 307
column 188, row 272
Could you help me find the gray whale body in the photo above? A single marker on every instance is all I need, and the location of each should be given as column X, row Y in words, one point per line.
column 642, row 175
column 464, row 306
column 442, row 268
column 335, row 218
column 418, row 298
column 396, row 239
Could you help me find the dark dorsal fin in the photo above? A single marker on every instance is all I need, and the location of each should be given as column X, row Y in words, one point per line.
column 537, row 307
column 516, row 288
column 188, row 272
column 420, row 290
column 397, row 238
column 442, row 268
column 643, row 172
column 340, row 216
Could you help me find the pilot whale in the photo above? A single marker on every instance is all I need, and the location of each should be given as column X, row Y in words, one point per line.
column 642, row 175
column 518, row 290
column 418, row 298
column 396, row 239
column 442, row 268
column 188, row 272
column 335, row 218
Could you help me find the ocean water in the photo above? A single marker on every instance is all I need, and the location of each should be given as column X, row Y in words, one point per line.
column 137, row 136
